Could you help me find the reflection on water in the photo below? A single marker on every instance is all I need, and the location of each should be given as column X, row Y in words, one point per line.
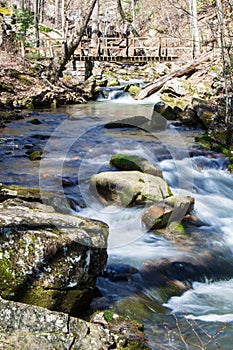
column 76, row 145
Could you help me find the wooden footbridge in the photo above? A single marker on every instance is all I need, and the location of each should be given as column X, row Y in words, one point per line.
column 140, row 49
column 124, row 50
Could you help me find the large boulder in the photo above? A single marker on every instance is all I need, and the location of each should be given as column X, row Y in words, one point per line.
column 47, row 258
column 128, row 188
column 171, row 209
column 132, row 162
column 31, row 327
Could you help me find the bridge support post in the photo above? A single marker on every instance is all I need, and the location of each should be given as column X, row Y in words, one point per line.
column 80, row 69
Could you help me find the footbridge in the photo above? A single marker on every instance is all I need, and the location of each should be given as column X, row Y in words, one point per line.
column 122, row 49
column 130, row 50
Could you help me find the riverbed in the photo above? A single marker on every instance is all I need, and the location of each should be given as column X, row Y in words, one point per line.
column 77, row 145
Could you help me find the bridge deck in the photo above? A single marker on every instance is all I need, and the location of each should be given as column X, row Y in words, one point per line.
column 125, row 59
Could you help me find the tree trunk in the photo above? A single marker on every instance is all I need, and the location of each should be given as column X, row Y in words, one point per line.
column 36, row 14
column 194, row 28
column 95, row 29
column 61, row 59
column 56, row 13
column 226, row 63
column 151, row 88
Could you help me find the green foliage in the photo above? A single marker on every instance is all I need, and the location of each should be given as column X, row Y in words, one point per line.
column 108, row 315
column 25, row 20
column 44, row 29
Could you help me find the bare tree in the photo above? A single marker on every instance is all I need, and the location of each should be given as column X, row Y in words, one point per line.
column 194, row 28
column 61, row 59
column 226, row 47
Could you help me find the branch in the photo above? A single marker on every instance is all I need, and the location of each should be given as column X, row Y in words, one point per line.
column 151, row 88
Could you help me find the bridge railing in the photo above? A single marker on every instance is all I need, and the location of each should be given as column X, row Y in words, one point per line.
column 159, row 47
column 130, row 47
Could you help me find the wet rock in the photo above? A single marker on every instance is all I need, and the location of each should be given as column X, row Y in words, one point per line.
column 47, row 258
column 171, row 209
column 35, row 121
column 204, row 112
column 35, row 152
column 128, row 188
column 131, row 162
column 138, row 121
column 30, row 328
column 116, row 272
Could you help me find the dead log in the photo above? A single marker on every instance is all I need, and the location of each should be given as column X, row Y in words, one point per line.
column 189, row 68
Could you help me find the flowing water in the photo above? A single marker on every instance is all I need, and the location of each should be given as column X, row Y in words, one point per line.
column 76, row 146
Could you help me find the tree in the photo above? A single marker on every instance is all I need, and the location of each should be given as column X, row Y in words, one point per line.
column 61, row 59
column 194, row 28
column 226, row 47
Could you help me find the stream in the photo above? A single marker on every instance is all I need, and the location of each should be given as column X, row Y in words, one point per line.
column 77, row 145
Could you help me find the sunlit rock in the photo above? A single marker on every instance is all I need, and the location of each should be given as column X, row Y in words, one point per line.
column 128, row 188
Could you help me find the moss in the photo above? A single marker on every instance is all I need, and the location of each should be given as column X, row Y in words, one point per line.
column 230, row 168
column 134, row 90
column 176, row 227
column 108, row 315
column 113, row 83
column 37, row 155
column 126, row 162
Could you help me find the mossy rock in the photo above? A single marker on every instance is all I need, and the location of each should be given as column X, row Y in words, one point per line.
column 112, row 83
column 132, row 162
column 36, row 155
column 134, row 90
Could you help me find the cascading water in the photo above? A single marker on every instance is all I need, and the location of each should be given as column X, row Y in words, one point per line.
column 78, row 146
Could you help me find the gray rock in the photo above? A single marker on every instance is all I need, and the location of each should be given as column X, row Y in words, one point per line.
column 171, row 209
column 31, row 328
column 47, row 258
column 176, row 86
column 128, row 188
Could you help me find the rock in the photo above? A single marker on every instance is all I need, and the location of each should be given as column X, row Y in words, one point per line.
column 56, row 200
column 188, row 116
column 221, row 135
column 138, row 121
column 176, row 86
column 30, row 328
column 158, row 122
column 171, row 209
column 35, row 121
column 35, row 152
column 128, row 188
column 132, row 331
column 205, row 113
column 36, row 155
column 49, row 259
column 131, row 162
